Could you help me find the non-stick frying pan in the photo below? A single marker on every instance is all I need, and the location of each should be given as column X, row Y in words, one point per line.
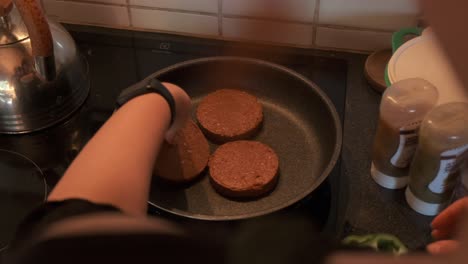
column 300, row 124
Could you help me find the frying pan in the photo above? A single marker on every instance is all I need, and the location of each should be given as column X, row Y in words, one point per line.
column 300, row 124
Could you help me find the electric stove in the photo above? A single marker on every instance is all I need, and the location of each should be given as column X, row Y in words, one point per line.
column 118, row 59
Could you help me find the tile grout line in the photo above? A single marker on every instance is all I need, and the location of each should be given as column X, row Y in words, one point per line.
column 329, row 48
column 220, row 18
column 175, row 10
column 139, row 29
column 310, row 24
column 130, row 19
column 278, row 20
column 94, row 2
column 143, row 7
column 315, row 22
column 340, row 27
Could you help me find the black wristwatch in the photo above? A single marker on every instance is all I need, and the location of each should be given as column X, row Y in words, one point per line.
column 144, row 87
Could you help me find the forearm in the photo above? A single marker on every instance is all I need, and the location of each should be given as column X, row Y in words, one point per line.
column 116, row 165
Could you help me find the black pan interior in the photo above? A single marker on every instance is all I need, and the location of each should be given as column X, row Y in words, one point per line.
column 300, row 124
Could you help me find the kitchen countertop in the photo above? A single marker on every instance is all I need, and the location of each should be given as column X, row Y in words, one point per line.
column 362, row 206
column 371, row 208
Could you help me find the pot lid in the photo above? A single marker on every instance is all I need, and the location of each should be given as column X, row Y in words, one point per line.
column 12, row 27
column 423, row 57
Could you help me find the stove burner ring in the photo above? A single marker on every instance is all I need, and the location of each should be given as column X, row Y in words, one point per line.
column 22, row 188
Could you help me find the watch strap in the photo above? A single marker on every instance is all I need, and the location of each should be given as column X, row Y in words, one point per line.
column 145, row 87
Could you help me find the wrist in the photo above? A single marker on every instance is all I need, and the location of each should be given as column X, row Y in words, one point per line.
column 152, row 106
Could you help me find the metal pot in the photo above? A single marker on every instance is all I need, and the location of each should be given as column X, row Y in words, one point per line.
column 42, row 77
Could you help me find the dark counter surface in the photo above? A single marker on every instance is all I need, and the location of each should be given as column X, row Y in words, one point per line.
column 371, row 208
column 359, row 205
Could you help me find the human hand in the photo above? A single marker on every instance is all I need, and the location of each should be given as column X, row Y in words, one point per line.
column 445, row 226
column 183, row 106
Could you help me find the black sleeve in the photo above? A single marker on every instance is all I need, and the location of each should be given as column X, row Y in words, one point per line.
column 123, row 247
column 52, row 212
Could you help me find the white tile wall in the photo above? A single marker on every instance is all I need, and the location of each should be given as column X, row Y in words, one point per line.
column 117, row 2
column 375, row 14
column 298, row 10
column 210, row 6
column 88, row 13
column 356, row 25
column 176, row 22
column 267, row 31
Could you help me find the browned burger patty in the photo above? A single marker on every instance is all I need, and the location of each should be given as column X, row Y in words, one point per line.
column 227, row 115
column 244, row 169
column 186, row 158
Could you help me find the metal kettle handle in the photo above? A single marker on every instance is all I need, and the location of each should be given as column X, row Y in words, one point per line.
column 40, row 36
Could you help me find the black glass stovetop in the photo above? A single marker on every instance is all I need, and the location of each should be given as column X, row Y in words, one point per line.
column 118, row 59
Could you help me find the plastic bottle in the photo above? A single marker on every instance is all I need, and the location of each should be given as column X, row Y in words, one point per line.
column 403, row 107
column 443, row 140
